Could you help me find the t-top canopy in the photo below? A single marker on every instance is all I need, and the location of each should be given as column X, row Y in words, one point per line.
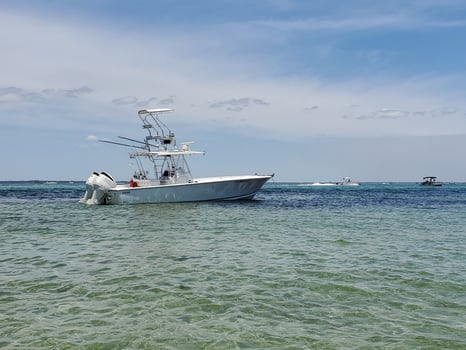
column 155, row 110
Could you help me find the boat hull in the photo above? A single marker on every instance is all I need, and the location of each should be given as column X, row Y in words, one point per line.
column 206, row 189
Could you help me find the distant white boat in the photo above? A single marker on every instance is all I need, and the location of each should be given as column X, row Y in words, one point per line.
column 348, row 182
column 172, row 180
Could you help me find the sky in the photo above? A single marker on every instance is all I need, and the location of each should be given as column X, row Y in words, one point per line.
column 308, row 90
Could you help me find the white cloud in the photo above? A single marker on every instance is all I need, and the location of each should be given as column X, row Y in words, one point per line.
column 15, row 95
column 238, row 104
column 395, row 21
column 386, row 113
column 110, row 75
column 88, row 78
column 68, row 92
column 356, row 15
column 18, row 95
column 125, row 100
column 134, row 101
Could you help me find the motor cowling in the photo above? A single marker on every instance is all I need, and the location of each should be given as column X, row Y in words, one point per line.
column 103, row 183
column 90, row 184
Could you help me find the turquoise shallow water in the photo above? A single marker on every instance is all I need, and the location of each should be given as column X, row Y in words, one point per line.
column 374, row 267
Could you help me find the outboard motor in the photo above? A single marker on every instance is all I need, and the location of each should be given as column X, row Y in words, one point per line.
column 103, row 183
column 97, row 186
column 90, row 183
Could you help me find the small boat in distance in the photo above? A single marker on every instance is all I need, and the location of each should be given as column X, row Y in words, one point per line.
column 430, row 181
column 345, row 182
column 348, row 182
column 171, row 179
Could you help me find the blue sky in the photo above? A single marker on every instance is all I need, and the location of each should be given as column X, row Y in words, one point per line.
column 308, row 90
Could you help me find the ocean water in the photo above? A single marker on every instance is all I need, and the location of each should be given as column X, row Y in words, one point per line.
column 380, row 266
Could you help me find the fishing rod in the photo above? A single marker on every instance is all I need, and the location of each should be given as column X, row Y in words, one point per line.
column 137, row 141
column 122, row 144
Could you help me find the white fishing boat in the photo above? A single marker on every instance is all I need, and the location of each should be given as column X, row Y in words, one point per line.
column 348, row 182
column 171, row 179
